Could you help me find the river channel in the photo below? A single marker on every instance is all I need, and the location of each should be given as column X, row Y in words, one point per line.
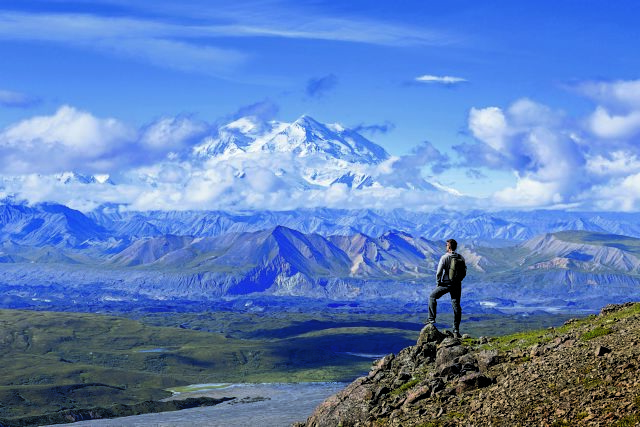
column 264, row 405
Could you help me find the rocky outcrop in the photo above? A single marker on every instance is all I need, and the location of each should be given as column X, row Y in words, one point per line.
column 583, row 373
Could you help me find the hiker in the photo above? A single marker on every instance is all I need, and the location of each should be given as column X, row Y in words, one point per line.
column 451, row 270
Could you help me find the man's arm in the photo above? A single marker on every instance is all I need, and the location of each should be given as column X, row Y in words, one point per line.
column 439, row 270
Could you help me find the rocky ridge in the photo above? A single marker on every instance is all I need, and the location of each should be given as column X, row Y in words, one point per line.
column 582, row 373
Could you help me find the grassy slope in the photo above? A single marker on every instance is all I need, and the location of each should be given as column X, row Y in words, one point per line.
column 42, row 351
column 625, row 243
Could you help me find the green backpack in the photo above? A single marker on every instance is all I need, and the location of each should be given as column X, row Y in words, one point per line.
column 457, row 268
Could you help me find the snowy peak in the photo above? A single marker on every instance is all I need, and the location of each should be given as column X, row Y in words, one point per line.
column 305, row 137
column 78, row 178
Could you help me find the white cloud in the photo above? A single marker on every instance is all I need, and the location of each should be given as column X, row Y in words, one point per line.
column 529, row 193
column 62, row 141
column 489, row 125
column 606, row 125
column 534, row 142
column 172, row 133
column 445, row 80
column 615, row 164
column 71, row 139
column 617, row 95
column 618, row 195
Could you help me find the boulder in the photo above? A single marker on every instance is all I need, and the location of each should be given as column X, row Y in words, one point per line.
column 430, row 334
column 347, row 407
column 473, row 381
column 486, row 359
column 448, row 355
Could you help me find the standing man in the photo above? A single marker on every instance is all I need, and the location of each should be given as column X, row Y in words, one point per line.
column 451, row 270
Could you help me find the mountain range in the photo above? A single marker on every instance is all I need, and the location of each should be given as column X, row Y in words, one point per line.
column 50, row 251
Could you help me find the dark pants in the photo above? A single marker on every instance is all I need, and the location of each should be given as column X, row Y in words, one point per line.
column 455, row 290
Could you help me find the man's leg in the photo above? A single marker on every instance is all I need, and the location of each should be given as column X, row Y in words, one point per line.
column 433, row 302
column 456, row 291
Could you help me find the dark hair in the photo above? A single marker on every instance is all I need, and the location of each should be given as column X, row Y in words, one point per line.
column 452, row 244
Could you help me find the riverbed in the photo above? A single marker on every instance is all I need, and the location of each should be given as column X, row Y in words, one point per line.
column 265, row 405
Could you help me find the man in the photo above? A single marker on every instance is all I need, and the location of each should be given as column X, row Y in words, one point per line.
column 449, row 282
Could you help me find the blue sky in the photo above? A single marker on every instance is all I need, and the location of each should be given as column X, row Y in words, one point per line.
column 521, row 96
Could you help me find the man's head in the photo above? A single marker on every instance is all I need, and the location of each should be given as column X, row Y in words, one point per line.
column 452, row 245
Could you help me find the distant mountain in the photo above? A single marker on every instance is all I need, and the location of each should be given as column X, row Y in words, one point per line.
column 586, row 251
column 569, row 268
column 478, row 227
column 48, row 224
column 303, row 138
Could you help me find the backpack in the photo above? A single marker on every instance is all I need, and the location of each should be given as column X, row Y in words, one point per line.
column 457, row 268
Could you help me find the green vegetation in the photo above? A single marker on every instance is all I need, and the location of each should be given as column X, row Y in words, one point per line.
column 625, row 243
column 526, row 339
column 56, row 361
column 404, row 387
column 60, row 361
column 595, row 333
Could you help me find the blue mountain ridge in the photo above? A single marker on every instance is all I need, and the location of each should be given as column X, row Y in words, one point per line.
column 52, row 251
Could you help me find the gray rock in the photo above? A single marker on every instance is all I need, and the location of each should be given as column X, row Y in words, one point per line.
column 448, row 355
column 430, row 334
column 486, row 359
column 473, row 381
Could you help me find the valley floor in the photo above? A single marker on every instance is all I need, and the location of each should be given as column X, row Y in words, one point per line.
column 273, row 405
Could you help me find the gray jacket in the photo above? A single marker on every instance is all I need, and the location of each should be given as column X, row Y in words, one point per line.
column 442, row 273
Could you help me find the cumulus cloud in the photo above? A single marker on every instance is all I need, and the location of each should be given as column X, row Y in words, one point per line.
column 619, row 95
column 17, row 100
column 441, row 80
column 559, row 161
column 407, row 171
column 71, row 139
column 172, row 133
column 537, row 144
column 319, row 86
column 606, row 125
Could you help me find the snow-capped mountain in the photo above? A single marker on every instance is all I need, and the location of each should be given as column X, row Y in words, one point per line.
column 305, row 151
column 304, row 137
column 78, row 178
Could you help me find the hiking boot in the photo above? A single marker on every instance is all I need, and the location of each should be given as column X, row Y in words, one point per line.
column 456, row 333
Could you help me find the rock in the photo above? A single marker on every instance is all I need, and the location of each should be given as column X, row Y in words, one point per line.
column 535, row 351
column 380, row 365
column 486, row 359
column 346, row 407
column 450, row 342
column 473, row 381
column 418, row 394
column 449, row 369
column 610, row 308
column 449, row 355
column 430, row 334
column 602, row 350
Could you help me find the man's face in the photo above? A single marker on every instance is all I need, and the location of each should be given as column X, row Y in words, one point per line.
column 448, row 246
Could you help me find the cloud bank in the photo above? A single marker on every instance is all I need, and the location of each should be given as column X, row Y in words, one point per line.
column 589, row 162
